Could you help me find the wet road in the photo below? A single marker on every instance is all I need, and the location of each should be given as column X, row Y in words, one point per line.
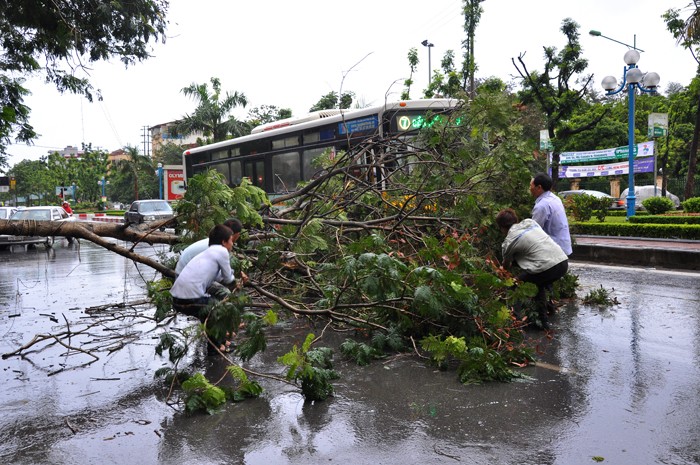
column 619, row 384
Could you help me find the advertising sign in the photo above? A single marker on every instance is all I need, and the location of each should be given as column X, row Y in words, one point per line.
column 641, row 165
column 174, row 183
column 643, row 149
column 658, row 125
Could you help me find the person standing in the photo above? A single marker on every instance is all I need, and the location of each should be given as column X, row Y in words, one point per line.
column 541, row 259
column 549, row 212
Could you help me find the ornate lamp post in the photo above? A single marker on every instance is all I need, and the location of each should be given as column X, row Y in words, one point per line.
column 633, row 79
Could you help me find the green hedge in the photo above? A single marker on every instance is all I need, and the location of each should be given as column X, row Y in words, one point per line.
column 661, row 231
column 624, row 213
column 658, row 219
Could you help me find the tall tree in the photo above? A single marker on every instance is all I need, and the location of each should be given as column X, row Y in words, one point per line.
column 553, row 89
column 687, row 33
column 136, row 167
column 61, row 38
column 472, row 14
column 267, row 114
column 331, row 100
column 212, row 117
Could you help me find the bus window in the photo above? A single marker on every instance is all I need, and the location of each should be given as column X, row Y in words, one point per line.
column 255, row 171
column 286, row 172
column 223, row 169
column 308, row 170
column 312, row 137
column 286, row 142
column 236, row 173
column 220, row 155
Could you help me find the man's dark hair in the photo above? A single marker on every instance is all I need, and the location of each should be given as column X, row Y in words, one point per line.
column 235, row 225
column 542, row 179
column 219, row 234
column 506, row 218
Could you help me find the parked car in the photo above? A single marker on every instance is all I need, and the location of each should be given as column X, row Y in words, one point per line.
column 5, row 212
column 641, row 193
column 150, row 211
column 614, row 203
column 49, row 213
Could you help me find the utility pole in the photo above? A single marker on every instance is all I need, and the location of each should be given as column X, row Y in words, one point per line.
column 146, row 137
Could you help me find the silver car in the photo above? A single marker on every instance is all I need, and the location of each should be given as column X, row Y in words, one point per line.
column 150, row 211
column 49, row 213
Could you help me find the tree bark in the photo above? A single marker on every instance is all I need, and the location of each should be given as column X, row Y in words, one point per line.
column 693, row 157
column 96, row 232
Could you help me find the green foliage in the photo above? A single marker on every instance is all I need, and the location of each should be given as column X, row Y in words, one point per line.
column 583, row 206
column 313, row 367
column 677, row 231
column 200, row 394
column 175, row 344
column 209, row 201
column 362, row 353
column 665, row 219
column 159, row 293
column 658, row 205
column 692, row 205
column 565, row 288
column 601, row 297
column 212, row 116
column 246, row 387
column 331, row 101
column 477, row 363
column 58, row 39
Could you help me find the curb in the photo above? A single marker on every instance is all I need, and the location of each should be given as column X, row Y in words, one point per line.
column 638, row 256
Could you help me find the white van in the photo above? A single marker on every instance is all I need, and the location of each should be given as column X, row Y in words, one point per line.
column 642, row 193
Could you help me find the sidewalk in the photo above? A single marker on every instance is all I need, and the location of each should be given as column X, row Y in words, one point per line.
column 638, row 251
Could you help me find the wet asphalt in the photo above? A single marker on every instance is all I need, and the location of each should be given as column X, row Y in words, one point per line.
column 616, row 384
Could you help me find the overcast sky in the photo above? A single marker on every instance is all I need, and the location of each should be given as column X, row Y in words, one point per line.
column 289, row 54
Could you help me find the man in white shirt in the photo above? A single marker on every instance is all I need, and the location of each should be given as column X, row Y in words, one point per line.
column 208, row 275
column 198, row 247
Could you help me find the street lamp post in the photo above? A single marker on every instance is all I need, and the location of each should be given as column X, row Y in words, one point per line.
column 160, row 180
column 75, row 195
column 633, row 79
column 425, row 43
column 102, row 182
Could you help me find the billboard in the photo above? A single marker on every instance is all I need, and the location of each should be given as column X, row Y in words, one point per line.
column 174, row 183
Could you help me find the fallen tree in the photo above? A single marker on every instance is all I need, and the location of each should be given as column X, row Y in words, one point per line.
column 393, row 240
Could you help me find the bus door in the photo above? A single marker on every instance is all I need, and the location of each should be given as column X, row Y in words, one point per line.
column 255, row 171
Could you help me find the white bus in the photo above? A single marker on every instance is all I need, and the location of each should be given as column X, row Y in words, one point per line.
column 277, row 156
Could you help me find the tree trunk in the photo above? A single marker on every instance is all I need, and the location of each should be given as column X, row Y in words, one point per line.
column 96, row 232
column 693, row 156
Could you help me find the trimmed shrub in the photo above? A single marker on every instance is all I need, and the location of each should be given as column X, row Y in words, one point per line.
column 666, row 219
column 666, row 231
column 692, row 205
column 658, row 205
column 583, row 206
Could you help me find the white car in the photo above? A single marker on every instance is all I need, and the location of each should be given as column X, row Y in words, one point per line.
column 641, row 193
column 48, row 213
column 614, row 203
column 5, row 212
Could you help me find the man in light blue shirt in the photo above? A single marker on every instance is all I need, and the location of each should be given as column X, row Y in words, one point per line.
column 549, row 212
